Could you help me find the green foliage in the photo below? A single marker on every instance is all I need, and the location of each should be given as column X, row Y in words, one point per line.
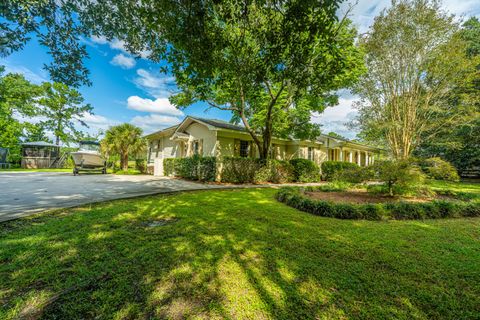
column 354, row 174
column 331, row 186
column 17, row 98
column 407, row 92
column 63, row 107
column 305, row 170
column 191, row 168
column 460, row 144
column 295, row 198
column 169, row 166
column 400, row 177
column 35, row 132
column 240, row 170
column 275, row 171
column 330, row 168
column 270, row 64
column 57, row 27
column 231, row 254
column 123, row 140
column 141, row 165
column 439, row 169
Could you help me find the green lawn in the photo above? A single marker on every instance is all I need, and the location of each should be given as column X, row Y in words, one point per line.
column 455, row 186
column 235, row 254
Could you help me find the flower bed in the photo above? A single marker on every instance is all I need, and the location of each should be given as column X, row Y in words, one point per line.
column 398, row 210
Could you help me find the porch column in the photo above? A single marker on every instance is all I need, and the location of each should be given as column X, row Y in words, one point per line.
column 359, row 158
column 341, row 154
column 366, row 158
column 350, row 156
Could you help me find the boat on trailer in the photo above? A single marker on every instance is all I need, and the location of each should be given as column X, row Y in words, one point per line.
column 88, row 158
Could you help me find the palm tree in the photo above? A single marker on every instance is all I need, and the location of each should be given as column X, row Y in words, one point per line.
column 123, row 140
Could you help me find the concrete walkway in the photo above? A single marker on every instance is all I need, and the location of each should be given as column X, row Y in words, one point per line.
column 26, row 193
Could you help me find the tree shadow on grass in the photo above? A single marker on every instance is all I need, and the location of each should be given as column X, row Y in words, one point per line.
column 228, row 255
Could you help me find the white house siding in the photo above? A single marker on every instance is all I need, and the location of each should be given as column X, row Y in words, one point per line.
column 208, row 137
column 225, row 147
column 226, row 143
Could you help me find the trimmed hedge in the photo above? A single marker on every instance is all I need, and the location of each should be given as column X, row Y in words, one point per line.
column 192, row 168
column 305, row 170
column 330, row 168
column 295, row 198
column 252, row 170
column 439, row 169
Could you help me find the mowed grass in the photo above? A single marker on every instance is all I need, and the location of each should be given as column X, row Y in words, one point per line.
column 234, row 254
column 468, row 187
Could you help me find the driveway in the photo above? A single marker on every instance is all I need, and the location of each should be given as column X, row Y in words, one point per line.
column 25, row 193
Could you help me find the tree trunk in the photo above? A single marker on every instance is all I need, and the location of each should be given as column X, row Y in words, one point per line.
column 57, row 140
column 124, row 161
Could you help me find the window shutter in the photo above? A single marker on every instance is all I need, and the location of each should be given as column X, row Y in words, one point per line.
column 236, row 148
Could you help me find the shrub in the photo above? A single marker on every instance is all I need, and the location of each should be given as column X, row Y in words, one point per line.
column 331, row 186
column 295, row 198
column 240, row 170
column 439, row 169
column 305, row 170
column 169, row 166
column 275, row 171
column 354, row 174
column 252, row 170
column 330, row 168
column 400, row 177
column 141, row 165
column 206, row 168
column 192, row 168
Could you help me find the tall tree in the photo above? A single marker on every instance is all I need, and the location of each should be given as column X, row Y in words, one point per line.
column 17, row 99
column 271, row 63
column 35, row 132
column 56, row 25
column 63, row 107
column 415, row 57
column 461, row 144
column 123, row 140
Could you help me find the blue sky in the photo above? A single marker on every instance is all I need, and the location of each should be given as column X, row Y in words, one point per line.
column 128, row 89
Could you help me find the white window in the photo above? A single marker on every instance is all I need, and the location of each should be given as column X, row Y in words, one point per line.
column 196, row 147
column 311, row 154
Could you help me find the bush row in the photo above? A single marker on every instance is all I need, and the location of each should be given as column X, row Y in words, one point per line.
column 332, row 168
column 242, row 170
column 438, row 169
column 192, row 168
column 295, row 198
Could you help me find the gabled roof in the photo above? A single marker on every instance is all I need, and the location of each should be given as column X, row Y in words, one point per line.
column 220, row 124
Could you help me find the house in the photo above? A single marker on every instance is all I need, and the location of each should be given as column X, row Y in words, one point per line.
column 208, row 137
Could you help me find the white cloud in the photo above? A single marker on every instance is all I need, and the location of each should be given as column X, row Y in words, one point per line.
column 365, row 11
column 335, row 118
column 157, row 86
column 116, row 44
column 123, row 61
column 35, row 77
column 99, row 39
column 154, row 122
column 96, row 123
column 160, row 105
